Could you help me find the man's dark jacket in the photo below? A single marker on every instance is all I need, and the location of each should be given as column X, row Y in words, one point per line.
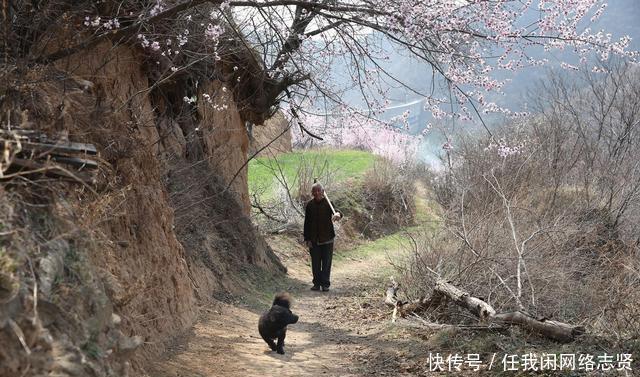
column 318, row 226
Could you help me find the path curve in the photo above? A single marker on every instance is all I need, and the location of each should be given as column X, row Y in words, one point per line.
column 344, row 332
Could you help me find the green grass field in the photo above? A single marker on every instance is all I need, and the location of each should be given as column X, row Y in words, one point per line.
column 426, row 218
column 326, row 164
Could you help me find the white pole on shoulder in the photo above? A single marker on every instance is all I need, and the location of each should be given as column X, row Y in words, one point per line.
column 330, row 205
column 333, row 211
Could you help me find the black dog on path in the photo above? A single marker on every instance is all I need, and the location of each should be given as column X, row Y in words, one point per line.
column 273, row 324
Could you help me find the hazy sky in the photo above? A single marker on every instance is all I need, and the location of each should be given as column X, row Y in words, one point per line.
column 622, row 17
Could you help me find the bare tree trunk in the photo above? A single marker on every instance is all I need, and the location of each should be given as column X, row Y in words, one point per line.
column 555, row 330
column 559, row 331
column 478, row 307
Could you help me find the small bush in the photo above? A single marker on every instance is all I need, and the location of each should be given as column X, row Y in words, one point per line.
column 388, row 199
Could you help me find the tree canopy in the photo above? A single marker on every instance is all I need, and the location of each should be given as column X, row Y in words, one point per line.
column 274, row 51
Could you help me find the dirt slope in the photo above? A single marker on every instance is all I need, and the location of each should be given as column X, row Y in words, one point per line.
column 344, row 332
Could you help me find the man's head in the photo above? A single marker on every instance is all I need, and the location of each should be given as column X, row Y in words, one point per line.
column 317, row 191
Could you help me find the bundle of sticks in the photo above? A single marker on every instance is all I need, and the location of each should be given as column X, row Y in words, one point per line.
column 26, row 152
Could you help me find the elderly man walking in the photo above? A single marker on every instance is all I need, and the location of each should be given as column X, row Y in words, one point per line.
column 319, row 235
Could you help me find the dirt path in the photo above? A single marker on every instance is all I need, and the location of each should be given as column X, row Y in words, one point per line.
column 344, row 332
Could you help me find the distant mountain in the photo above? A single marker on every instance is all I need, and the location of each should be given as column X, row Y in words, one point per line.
column 622, row 17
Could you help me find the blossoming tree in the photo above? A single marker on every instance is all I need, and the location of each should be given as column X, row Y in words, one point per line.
column 290, row 48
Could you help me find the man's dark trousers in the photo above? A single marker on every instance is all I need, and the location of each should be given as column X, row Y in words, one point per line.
column 321, row 256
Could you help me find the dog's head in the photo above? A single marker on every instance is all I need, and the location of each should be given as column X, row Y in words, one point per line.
column 283, row 299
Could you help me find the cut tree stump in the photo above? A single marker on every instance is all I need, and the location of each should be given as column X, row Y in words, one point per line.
column 401, row 308
column 390, row 297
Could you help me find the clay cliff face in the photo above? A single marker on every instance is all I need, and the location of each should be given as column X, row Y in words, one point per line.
column 161, row 233
column 225, row 141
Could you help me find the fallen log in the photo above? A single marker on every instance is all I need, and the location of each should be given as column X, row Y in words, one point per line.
column 475, row 305
column 559, row 331
column 444, row 326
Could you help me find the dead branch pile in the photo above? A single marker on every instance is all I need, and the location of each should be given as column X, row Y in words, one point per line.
column 487, row 316
column 27, row 152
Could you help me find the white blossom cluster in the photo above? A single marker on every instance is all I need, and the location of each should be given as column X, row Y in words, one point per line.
column 504, row 149
column 110, row 24
column 469, row 43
